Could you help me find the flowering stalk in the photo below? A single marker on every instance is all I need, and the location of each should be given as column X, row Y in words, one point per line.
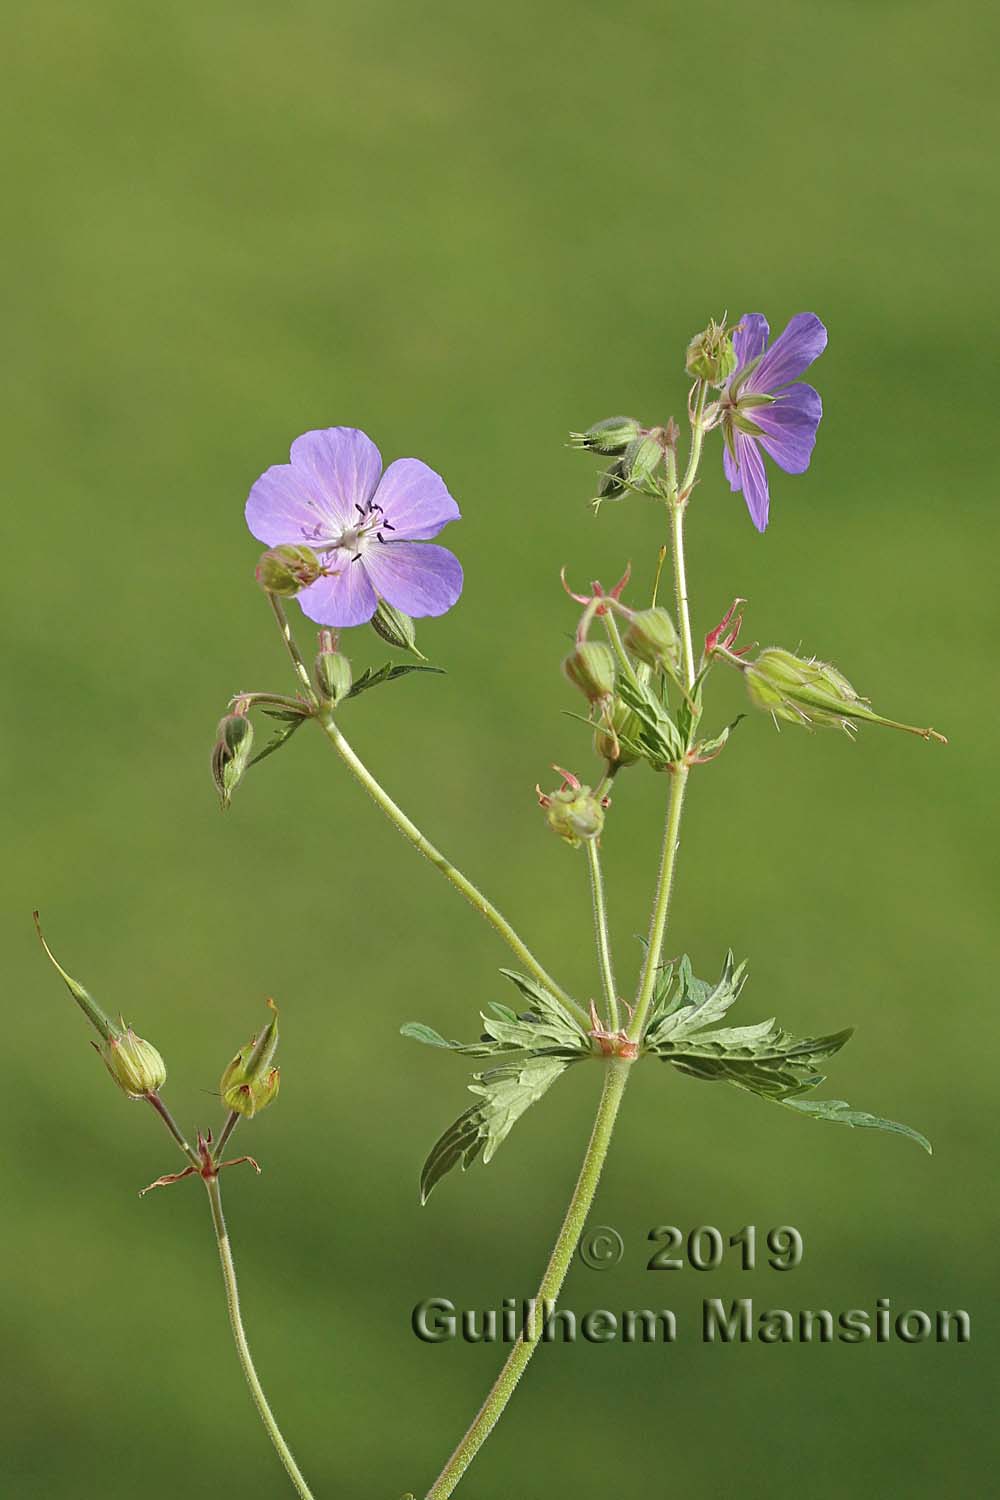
column 239, row 1336
column 617, row 1066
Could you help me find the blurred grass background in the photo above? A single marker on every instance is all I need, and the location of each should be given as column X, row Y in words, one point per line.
column 468, row 230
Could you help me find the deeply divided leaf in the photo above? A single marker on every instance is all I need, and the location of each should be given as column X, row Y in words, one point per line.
column 505, row 1092
column 763, row 1058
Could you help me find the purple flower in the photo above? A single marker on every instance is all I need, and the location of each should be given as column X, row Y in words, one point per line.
column 760, row 408
column 368, row 528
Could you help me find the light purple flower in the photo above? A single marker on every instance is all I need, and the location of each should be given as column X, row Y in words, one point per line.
column 760, row 408
column 369, row 529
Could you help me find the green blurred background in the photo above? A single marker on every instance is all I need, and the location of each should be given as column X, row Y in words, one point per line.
column 467, row 230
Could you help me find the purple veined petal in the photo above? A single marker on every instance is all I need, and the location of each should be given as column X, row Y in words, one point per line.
column 731, row 468
column 753, row 480
column 281, row 508
column 341, row 467
column 345, row 597
column 792, row 352
column 750, row 338
column 419, row 578
column 415, row 500
column 788, row 427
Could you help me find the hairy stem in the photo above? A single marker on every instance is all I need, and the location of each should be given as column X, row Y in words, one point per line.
column 615, row 1079
column 243, row 1348
column 601, row 932
column 681, row 593
column 661, row 902
column 461, row 882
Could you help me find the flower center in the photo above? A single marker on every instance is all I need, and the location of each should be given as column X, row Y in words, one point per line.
column 368, row 525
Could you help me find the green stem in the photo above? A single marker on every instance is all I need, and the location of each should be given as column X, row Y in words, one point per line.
column 614, row 636
column 681, row 594
column 601, row 931
column 677, row 507
column 242, row 1347
column 461, row 882
column 173, row 1127
column 615, row 1079
column 697, row 437
column 232, row 1121
column 661, row 903
column 301, row 671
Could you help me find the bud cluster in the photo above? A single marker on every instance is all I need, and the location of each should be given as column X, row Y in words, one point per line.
column 638, row 453
column 651, row 655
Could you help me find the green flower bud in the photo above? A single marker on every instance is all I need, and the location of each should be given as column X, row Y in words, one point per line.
column 710, row 355
column 396, row 628
column 652, row 637
column 590, row 666
column 231, row 754
column 332, row 671
column 640, row 462
column 287, row 569
column 613, row 435
column 134, row 1064
column 250, row 1083
column 813, row 694
column 620, row 723
column 248, row 1099
column 573, row 813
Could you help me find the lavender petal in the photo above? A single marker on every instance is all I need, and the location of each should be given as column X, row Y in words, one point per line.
column 344, row 598
column 282, row 508
column 792, row 352
column 418, row 578
column 750, row 338
column 753, row 480
column 340, row 468
column 415, row 500
column 732, row 468
column 788, row 427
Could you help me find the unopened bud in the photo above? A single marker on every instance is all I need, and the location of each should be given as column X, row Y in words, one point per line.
column 573, row 812
column 613, row 435
column 134, row 1064
column 711, row 356
column 334, row 677
column 621, row 724
column 652, row 637
column 231, row 754
column 395, row 627
column 590, row 666
column 640, row 462
column 250, row 1083
column 287, row 569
